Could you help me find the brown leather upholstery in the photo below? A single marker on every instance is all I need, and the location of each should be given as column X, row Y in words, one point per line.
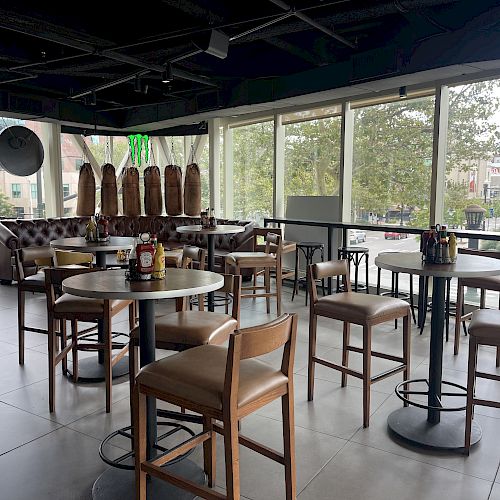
column 487, row 283
column 248, row 259
column 330, row 268
column 485, row 323
column 191, row 328
column 288, row 246
column 37, row 279
column 359, row 307
column 205, row 384
column 173, row 258
column 68, row 303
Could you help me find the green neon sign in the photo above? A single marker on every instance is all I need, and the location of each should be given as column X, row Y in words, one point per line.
column 138, row 142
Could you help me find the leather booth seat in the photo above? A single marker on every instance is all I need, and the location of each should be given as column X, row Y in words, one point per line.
column 20, row 233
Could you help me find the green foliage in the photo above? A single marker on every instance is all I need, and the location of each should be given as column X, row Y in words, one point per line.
column 6, row 208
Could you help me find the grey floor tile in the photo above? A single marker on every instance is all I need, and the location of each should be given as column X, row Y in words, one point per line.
column 6, row 349
column 495, row 492
column 482, row 462
column 359, row 472
column 19, row 427
column 15, row 376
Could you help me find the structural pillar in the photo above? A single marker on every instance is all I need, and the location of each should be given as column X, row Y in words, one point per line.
column 52, row 169
column 214, row 164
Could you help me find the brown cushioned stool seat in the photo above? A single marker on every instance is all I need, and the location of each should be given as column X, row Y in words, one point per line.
column 187, row 329
column 359, row 308
column 485, row 323
column 250, row 258
column 37, row 279
column 205, row 385
column 486, row 282
column 71, row 303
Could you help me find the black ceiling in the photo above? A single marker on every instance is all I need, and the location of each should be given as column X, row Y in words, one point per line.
column 52, row 58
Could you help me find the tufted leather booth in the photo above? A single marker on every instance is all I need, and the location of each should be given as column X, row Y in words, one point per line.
column 20, row 233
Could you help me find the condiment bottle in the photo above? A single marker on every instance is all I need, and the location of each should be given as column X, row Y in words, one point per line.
column 453, row 247
column 145, row 257
column 430, row 254
column 159, row 264
column 132, row 258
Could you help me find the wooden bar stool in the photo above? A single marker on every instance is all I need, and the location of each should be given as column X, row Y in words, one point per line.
column 360, row 309
column 224, row 384
column 356, row 256
column 308, row 248
column 484, row 329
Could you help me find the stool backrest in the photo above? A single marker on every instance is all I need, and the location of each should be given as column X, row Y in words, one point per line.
column 328, row 269
column 256, row 341
column 272, row 244
column 232, row 286
column 25, row 260
column 191, row 254
column 481, row 253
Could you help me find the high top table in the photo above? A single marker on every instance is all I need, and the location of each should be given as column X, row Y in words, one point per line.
column 434, row 425
column 91, row 369
column 117, row 483
column 211, row 234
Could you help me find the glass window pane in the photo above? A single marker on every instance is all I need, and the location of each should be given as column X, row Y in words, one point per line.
column 253, row 171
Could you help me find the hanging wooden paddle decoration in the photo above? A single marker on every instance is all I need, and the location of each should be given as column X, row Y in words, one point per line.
column 192, row 191
column 131, row 194
column 109, row 193
column 85, row 204
column 153, row 201
column 173, row 190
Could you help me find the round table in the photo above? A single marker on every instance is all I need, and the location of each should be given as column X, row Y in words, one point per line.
column 92, row 369
column 211, row 234
column 100, row 250
column 434, row 425
column 118, row 483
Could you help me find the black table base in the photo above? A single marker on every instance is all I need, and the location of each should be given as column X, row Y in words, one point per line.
column 412, row 425
column 90, row 370
column 119, row 484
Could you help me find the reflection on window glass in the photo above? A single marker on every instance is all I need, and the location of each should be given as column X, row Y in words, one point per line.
column 392, row 162
column 253, row 171
column 312, row 155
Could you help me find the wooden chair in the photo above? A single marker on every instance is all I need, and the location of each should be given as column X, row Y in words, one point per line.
column 491, row 283
column 29, row 279
column 484, row 329
column 256, row 260
column 224, row 384
column 360, row 309
column 69, row 307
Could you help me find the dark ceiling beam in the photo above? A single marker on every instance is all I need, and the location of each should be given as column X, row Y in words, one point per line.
column 195, row 10
column 296, row 51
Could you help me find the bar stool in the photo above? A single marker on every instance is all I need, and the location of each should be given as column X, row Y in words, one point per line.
column 484, row 329
column 354, row 255
column 308, row 248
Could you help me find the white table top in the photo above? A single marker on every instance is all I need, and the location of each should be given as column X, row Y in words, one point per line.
column 467, row 266
column 220, row 229
column 113, row 285
column 115, row 243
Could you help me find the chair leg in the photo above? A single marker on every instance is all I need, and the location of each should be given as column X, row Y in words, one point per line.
column 64, row 342
column 296, row 277
column 21, row 306
column 471, row 380
column 279, row 283
column 458, row 317
column 412, row 304
column 52, row 339
column 209, row 452
column 313, row 321
column 231, row 453
column 447, row 310
column 287, row 412
column 367, row 359
column 366, row 273
column 395, row 293
column 406, row 348
column 108, row 369
column 346, row 337
column 378, row 280
column 133, row 368
column 139, row 425
column 267, row 279
column 74, row 348
column 482, row 300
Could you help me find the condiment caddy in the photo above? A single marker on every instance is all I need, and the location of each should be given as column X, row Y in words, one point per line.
column 208, row 220
column 146, row 260
column 97, row 229
column 437, row 246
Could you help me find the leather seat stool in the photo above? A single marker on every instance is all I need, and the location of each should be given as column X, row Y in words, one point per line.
column 484, row 329
column 356, row 256
column 308, row 248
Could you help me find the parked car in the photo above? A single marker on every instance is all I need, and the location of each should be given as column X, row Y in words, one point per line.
column 392, row 235
column 357, row 236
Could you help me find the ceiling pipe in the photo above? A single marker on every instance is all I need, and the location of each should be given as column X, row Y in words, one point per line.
column 313, row 23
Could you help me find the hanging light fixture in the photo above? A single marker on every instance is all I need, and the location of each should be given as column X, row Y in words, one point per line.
column 167, row 75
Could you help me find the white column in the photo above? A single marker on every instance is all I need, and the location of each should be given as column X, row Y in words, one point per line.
column 228, row 173
column 52, row 169
column 214, row 164
column 346, row 154
column 279, row 168
column 439, row 147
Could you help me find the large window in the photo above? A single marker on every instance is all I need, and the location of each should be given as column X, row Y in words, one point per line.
column 34, row 191
column 253, row 171
column 16, row 190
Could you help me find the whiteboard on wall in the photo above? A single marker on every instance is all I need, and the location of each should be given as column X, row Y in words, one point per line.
column 317, row 208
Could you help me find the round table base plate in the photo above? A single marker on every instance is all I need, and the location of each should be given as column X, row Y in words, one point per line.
column 90, row 370
column 410, row 424
column 119, row 484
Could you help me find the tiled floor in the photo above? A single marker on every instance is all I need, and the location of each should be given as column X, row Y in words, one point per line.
column 55, row 456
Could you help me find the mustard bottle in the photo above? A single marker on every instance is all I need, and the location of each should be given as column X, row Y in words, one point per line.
column 453, row 247
column 159, row 263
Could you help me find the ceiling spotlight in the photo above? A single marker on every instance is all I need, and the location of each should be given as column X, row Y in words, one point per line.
column 402, row 93
column 167, row 75
column 137, row 84
column 145, row 88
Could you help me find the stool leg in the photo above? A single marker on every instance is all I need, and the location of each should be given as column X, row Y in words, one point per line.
column 366, row 271
column 412, row 305
column 396, row 295
column 209, row 449
column 346, row 337
column 139, row 416
column 296, row 278
column 424, row 304
column 378, row 280
column 458, row 318
column 313, row 322
column 307, row 253
column 231, row 452
column 406, row 349
column 498, row 357
column 287, row 412
column 267, row 278
column 367, row 359
column 471, row 380
column 447, row 324
column 356, row 267
column 323, row 279
column 279, row 283
column 339, row 256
